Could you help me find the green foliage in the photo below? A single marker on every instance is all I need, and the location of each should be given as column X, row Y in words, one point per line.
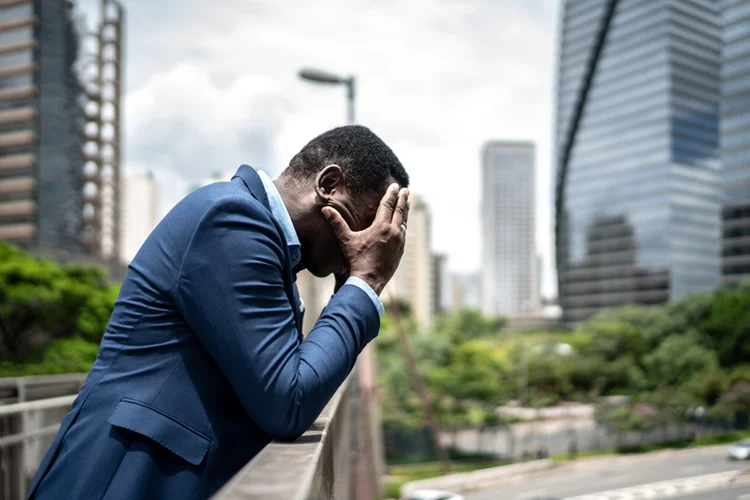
column 654, row 323
column 677, row 360
column 728, row 326
column 670, row 359
column 611, row 340
column 42, row 302
column 468, row 324
column 71, row 355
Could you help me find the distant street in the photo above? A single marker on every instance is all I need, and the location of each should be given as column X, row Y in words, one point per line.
column 663, row 472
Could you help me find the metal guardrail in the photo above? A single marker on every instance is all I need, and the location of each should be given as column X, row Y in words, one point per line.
column 42, row 404
column 319, row 465
column 22, row 408
column 31, row 410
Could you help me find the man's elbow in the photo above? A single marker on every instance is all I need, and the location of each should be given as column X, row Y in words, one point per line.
column 286, row 431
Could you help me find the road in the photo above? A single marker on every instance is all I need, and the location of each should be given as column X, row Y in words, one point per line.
column 662, row 471
column 738, row 492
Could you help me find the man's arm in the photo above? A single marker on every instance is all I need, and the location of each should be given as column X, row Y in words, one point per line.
column 231, row 292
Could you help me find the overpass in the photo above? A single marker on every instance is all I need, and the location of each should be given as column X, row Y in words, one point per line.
column 328, row 462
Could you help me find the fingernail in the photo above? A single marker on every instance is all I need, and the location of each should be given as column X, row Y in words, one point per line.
column 406, row 191
column 394, row 186
column 325, row 213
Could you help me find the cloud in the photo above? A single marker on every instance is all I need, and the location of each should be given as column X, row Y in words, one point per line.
column 213, row 84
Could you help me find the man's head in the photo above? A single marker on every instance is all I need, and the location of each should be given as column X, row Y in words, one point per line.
column 347, row 168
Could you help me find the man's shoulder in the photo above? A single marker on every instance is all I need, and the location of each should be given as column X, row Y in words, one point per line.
column 223, row 198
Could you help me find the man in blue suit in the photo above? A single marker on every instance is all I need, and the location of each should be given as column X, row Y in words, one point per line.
column 203, row 363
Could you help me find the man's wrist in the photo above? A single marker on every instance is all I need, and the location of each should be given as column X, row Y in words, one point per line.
column 365, row 287
column 376, row 284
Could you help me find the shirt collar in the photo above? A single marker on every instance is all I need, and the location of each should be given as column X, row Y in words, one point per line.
column 280, row 213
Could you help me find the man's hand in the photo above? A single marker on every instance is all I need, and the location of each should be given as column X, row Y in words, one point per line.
column 373, row 254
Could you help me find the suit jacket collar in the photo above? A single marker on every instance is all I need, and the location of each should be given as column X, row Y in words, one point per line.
column 250, row 177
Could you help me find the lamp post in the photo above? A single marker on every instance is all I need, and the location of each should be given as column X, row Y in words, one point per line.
column 319, row 76
column 368, row 437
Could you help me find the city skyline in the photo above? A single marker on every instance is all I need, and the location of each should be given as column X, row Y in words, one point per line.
column 253, row 109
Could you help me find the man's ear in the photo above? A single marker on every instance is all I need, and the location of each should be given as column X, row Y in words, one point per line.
column 329, row 180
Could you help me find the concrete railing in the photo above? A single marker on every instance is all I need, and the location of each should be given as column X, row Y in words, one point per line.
column 319, row 465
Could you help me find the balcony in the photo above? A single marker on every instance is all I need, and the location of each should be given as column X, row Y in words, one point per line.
column 17, row 185
column 17, row 47
column 17, row 232
column 18, row 69
column 13, row 139
column 17, row 115
column 4, row 4
column 22, row 208
column 16, row 162
column 17, row 93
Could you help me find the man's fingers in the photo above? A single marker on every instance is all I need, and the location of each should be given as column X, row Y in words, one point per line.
column 388, row 203
column 339, row 226
column 401, row 214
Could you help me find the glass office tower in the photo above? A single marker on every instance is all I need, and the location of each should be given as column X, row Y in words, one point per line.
column 735, row 141
column 638, row 199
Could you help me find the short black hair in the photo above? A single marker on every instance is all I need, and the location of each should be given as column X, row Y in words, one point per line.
column 369, row 165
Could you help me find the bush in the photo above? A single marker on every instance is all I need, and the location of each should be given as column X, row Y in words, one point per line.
column 74, row 355
column 52, row 316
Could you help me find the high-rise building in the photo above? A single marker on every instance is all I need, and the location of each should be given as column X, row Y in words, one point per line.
column 40, row 138
column 140, row 211
column 103, row 75
column 465, row 291
column 735, row 141
column 48, row 200
column 413, row 279
column 438, row 286
column 508, row 249
column 637, row 195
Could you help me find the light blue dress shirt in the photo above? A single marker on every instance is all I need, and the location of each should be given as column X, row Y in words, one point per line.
column 280, row 213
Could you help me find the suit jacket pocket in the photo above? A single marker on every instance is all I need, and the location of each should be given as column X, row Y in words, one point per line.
column 148, row 421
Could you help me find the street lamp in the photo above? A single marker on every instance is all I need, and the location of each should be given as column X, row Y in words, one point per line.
column 318, row 76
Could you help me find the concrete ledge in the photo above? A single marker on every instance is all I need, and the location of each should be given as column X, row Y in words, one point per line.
column 480, row 479
column 304, row 469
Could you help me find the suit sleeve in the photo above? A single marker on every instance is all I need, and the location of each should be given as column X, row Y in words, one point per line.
column 231, row 293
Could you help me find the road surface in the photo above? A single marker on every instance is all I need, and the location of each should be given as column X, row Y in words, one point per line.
column 699, row 474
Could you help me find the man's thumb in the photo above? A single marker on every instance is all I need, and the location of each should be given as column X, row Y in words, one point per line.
column 337, row 223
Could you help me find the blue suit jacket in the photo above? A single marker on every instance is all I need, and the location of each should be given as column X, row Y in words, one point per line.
column 203, row 363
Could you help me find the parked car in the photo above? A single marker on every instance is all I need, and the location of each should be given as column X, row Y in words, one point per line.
column 432, row 495
column 739, row 450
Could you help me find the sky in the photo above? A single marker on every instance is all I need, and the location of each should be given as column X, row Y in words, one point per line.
column 213, row 85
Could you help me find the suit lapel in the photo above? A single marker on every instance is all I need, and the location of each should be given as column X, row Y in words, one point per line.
column 252, row 181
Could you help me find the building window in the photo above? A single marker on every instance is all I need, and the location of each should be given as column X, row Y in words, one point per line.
column 16, row 58
column 17, row 80
column 19, row 35
column 18, row 12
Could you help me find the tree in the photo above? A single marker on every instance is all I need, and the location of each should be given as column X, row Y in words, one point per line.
column 728, row 326
column 677, row 360
column 41, row 301
column 468, row 324
column 613, row 340
column 654, row 323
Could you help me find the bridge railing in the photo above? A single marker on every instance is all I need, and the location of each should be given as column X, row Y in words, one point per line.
column 319, row 465
column 31, row 410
